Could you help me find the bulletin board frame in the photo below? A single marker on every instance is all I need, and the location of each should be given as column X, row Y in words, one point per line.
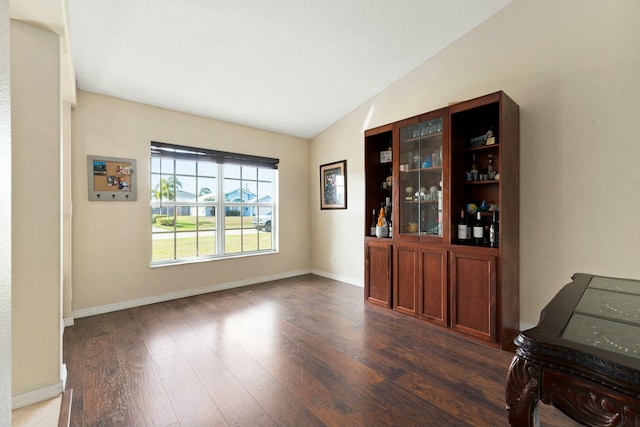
column 111, row 179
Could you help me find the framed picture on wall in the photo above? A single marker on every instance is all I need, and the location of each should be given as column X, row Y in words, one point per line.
column 333, row 185
column 111, row 178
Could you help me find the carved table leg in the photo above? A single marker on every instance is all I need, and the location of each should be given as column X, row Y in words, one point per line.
column 523, row 393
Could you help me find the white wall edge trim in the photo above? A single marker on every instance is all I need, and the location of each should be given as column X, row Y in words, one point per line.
column 35, row 396
column 86, row 312
column 68, row 321
column 347, row 280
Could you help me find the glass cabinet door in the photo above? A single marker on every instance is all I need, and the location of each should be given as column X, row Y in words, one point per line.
column 420, row 172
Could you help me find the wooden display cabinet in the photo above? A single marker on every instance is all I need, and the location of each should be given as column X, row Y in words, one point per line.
column 465, row 156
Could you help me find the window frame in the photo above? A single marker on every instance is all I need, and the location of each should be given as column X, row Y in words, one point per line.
column 220, row 230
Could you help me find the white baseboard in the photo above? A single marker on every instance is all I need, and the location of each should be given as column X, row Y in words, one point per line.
column 68, row 321
column 86, row 312
column 35, row 396
column 339, row 278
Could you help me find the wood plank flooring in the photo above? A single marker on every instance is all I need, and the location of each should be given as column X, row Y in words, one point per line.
column 305, row 351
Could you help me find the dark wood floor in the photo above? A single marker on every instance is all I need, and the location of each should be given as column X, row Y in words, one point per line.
column 305, row 351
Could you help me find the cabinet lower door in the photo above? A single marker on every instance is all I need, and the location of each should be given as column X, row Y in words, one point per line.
column 378, row 273
column 433, row 290
column 405, row 282
column 473, row 294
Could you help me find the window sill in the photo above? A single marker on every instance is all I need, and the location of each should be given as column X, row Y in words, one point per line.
column 159, row 264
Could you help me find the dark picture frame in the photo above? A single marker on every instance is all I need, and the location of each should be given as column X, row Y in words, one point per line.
column 333, row 185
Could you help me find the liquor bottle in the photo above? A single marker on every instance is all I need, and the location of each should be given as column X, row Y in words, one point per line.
column 463, row 238
column 494, row 232
column 469, row 228
column 374, row 221
column 478, row 230
column 389, row 216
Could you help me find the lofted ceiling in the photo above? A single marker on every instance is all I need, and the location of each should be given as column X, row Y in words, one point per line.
column 289, row 66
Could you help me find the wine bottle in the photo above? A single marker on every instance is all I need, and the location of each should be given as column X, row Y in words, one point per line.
column 374, row 221
column 462, row 229
column 478, row 230
column 494, row 232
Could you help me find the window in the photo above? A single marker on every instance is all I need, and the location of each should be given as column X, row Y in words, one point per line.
column 209, row 204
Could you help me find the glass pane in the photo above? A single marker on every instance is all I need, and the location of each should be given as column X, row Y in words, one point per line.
column 250, row 189
column 164, row 188
column 207, row 189
column 206, row 243
column 265, row 241
column 249, row 173
column 431, row 177
column 186, row 245
column 206, row 218
column 265, row 192
column 421, row 178
column 617, row 285
column 231, row 171
column 155, row 185
column 410, row 161
column 209, row 169
column 166, row 166
column 162, row 247
column 612, row 305
column 185, row 167
column 249, row 240
column 163, row 218
column 262, row 221
column 185, row 189
column 232, row 217
column 247, row 217
column 155, row 165
column 232, row 241
column 339, row 185
column 159, row 216
column 232, row 190
column 266, row 174
column 186, row 218
column 612, row 336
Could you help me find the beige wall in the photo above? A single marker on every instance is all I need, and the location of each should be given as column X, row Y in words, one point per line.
column 67, row 292
column 5, row 218
column 573, row 68
column 35, row 208
column 112, row 240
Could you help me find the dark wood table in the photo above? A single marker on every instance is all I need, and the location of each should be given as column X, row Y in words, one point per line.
column 583, row 357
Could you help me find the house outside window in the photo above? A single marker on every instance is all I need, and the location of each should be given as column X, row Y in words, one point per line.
column 208, row 204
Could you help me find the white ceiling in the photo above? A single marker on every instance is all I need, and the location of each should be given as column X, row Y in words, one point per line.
column 290, row 66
